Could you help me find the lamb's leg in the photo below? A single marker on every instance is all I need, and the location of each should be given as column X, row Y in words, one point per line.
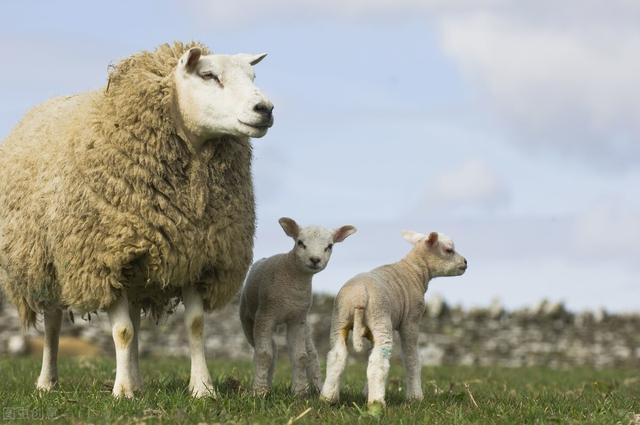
column 49, row 374
column 264, row 352
column 122, row 331
column 314, row 375
column 409, row 338
column 200, row 382
column 274, row 360
column 134, row 311
column 378, row 367
column 336, row 361
column 298, row 356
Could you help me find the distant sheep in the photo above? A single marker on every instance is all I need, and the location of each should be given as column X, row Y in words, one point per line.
column 388, row 298
column 132, row 196
column 277, row 291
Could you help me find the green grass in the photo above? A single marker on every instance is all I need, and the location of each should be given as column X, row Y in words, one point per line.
column 502, row 396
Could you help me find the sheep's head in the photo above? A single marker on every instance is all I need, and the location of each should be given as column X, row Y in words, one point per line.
column 216, row 96
column 438, row 252
column 314, row 244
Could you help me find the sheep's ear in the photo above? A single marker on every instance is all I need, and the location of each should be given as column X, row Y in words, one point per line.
column 253, row 59
column 290, row 227
column 343, row 233
column 412, row 237
column 433, row 238
column 190, row 59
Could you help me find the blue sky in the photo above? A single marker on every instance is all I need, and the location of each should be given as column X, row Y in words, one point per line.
column 512, row 126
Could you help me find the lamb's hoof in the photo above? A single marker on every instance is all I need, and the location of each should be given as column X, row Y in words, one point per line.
column 261, row 391
column 331, row 399
column 46, row 384
column 414, row 397
column 375, row 408
column 123, row 390
column 203, row 390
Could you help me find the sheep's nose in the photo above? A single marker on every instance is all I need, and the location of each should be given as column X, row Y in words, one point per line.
column 264, row 108
column 314, row 260
column 465, row 261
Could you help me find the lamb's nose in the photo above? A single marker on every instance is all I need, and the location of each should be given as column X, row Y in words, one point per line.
column 314, row 260
column 264, row 108
column 465, row 261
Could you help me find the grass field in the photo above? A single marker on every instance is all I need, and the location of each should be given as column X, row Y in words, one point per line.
column 453, row 395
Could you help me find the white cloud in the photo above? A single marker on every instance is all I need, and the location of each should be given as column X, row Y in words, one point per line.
column 473, row 184
column 563, row 76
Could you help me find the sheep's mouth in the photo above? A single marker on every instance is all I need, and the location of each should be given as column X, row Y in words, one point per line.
column 258, row 126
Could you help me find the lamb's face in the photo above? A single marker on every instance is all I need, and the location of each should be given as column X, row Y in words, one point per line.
column 216, row 96
column 314, row 244
column 439, row 252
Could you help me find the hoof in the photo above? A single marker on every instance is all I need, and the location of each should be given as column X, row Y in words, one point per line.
column 201, row 391
column 329, row 399
column 122, row 390
column 261, row 391
column 46, row 384
column 375, row 408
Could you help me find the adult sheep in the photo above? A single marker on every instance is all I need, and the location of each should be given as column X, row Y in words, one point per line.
column 133, row 196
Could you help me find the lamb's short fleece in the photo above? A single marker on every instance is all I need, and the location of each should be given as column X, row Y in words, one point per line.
column 388, row 298
column 278, row 291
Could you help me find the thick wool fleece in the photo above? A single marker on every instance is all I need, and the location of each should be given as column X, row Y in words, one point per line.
column 98, row 193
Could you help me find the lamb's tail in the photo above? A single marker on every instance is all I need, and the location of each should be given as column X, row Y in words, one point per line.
column 359, row 330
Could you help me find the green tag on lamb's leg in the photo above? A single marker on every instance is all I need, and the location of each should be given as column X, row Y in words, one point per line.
column 386, row 352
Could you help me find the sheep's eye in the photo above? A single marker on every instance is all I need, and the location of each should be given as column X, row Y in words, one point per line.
column 208, row 75
column 328, row 248
column 301, row 244
column 449, row 251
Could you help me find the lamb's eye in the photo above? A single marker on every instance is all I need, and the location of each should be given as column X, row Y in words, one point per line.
column 449, row 251
column 301, row 244
column 328, row 248
column 208, row 75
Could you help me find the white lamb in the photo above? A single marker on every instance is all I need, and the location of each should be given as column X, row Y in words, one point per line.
column 278, row 291
column 388, row 298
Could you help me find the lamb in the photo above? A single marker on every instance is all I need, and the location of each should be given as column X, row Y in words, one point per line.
column 388, row 298
column 133, row 197
column 277, row 291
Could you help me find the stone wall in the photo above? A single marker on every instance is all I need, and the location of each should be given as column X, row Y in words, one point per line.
column 546, row 334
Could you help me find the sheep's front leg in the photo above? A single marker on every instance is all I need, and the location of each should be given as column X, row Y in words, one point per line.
column 122, row 331
column 296, row 340
column 378, row 367
column 314, row 375
column 49, row 373
column 200, row 381
column 264, row 354
column 409, row 337
column 134, row 312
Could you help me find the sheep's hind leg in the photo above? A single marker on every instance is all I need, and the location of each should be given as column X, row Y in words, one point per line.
column 378, row 367
column 200, row 382
column 336, row 362
column 134, row 311
column 49, row 373
column 122, row 331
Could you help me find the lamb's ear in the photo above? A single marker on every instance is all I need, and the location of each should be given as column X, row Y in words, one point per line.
column 290, row 227
column 412, row 237
column 190, row 59
column 253, row 59
column 343, row 233
column 433, row 238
